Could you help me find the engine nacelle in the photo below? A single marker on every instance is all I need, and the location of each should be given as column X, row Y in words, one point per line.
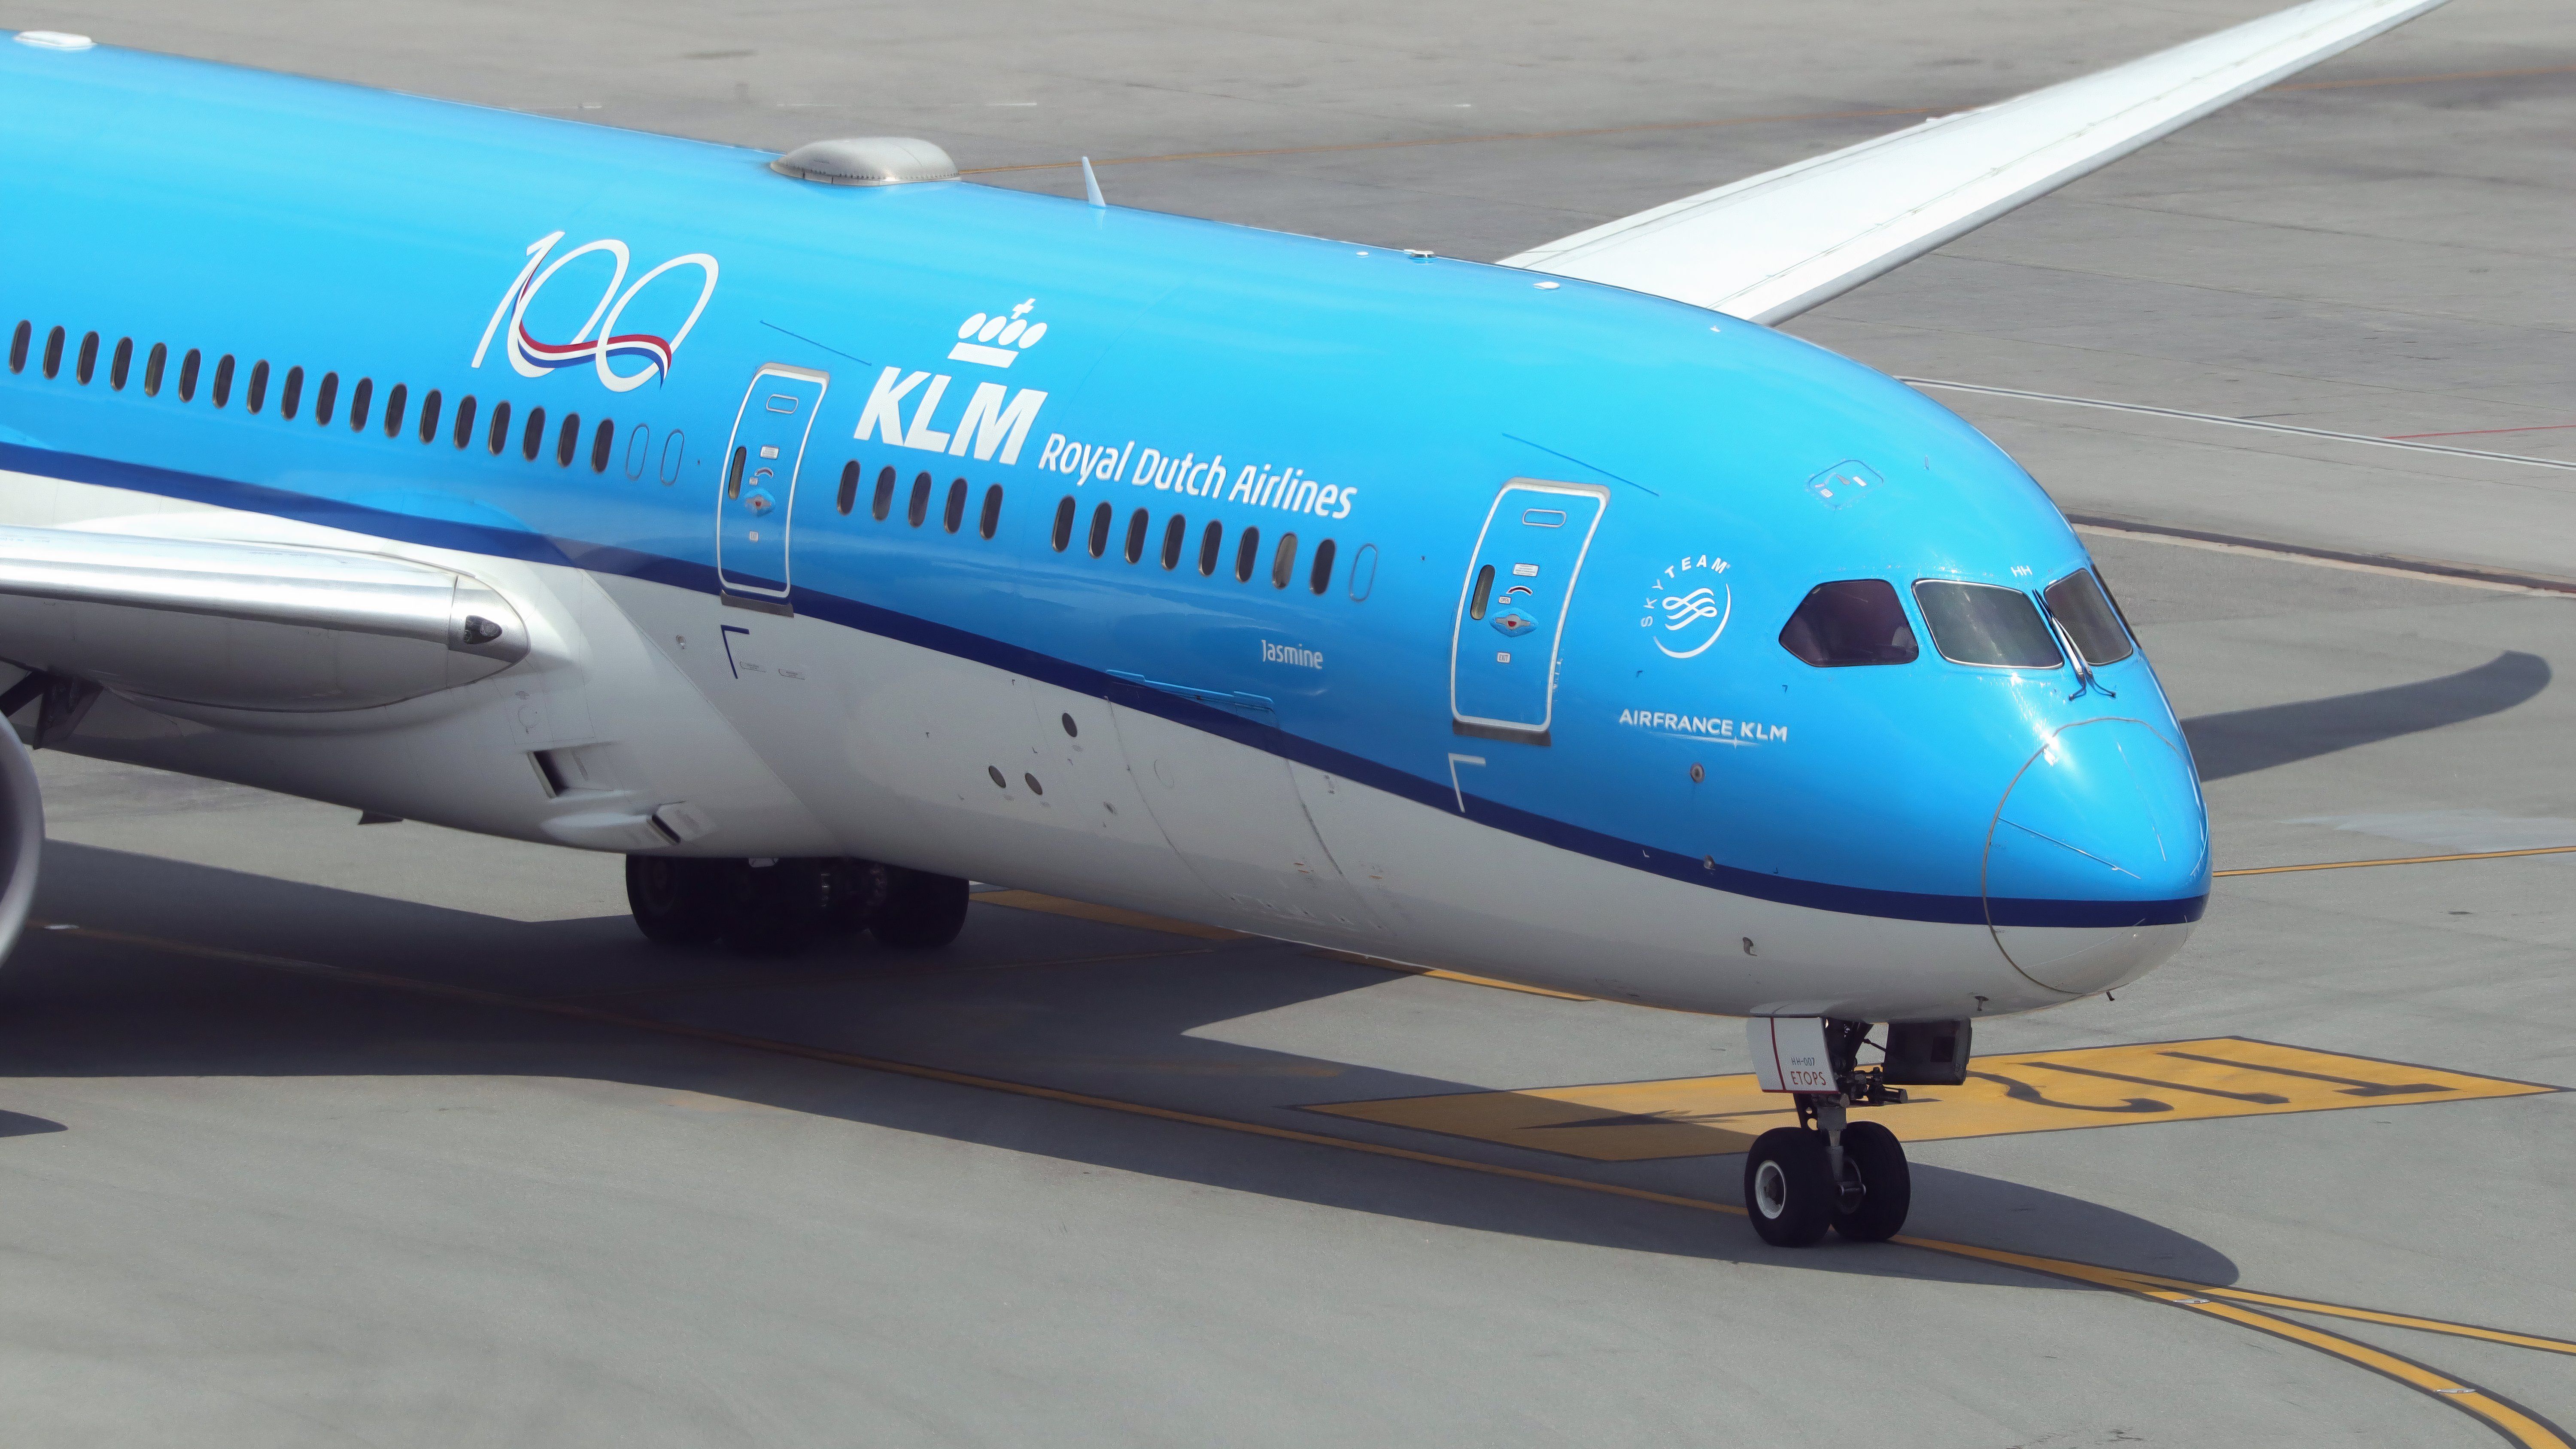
column 22, row 836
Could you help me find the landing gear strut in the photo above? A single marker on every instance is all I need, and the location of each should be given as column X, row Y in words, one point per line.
column 777, row 906
column 1832, row 1173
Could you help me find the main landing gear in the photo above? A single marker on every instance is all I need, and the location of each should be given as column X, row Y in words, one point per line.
column 770, row 907
column 1832, row 1173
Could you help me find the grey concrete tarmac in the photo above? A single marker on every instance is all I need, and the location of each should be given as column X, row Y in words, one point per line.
column 499, row 1173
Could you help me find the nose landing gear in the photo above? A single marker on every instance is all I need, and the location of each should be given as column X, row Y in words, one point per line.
column 1828, row 1172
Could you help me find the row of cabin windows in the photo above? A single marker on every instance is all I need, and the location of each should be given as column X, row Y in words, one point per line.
column 533, row 435
column 952, row 512
column 1211, row 545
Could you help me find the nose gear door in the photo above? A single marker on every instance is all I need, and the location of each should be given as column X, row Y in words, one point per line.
column 757, row 489
column 1511, row 611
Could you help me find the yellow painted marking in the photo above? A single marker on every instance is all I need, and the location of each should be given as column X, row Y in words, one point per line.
column 2403, row 860
column 2515, row 1423
column 1383, row 964
column 1106, row 915
column 2016, row 1092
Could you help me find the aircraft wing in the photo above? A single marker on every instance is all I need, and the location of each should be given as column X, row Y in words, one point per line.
column 242, row 625
column 1771, row 246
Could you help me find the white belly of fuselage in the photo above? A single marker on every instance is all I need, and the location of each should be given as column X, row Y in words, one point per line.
column 777, row 736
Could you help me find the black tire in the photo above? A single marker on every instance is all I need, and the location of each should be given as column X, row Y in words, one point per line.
column 857, row 892
column 1872, row 1154
column 784, row 907
column 1788, row 1188
column 676, row 901
column 921, row 911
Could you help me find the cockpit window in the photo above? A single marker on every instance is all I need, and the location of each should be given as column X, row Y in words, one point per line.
column 1986, row 624
column 1851, row 621
column 2088, row 618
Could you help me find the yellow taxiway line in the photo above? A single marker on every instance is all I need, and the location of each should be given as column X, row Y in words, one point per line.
column 2517, row 1424
column 2400, row 860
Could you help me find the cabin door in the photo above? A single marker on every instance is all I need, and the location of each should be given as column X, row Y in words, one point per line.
column 757, row 490
column 1511, row 610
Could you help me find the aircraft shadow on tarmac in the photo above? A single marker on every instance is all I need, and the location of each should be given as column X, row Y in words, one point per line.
column 2243, row 741
column 1021, row 996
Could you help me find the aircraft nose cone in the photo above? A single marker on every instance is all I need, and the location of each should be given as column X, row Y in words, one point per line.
column 2097, row 863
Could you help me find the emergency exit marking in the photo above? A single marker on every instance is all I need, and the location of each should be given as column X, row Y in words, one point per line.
column 2017, row 1092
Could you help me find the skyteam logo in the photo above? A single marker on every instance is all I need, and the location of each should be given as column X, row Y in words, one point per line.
column 597, row 342
column 996, row 339
column 1688, row 606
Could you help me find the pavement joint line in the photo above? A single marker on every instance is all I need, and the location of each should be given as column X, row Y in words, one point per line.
column 2515, row 1423
column 2463, row 575
column 2221, row 418
column 2401, row 860
column 1462, row 140
column 1651, row 126
column 861, row 973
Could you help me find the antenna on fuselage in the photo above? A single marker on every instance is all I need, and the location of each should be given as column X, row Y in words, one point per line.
column 1091, row 185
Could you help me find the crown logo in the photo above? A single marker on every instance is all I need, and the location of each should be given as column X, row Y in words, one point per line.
column 996, row 339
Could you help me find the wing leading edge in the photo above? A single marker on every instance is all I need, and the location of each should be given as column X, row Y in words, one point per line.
column 1771, row 246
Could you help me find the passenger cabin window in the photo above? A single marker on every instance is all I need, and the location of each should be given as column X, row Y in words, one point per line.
column 953, row 516
column 733, row 472
column 1848, row 622
column 848, row 498
column 532, row 438
column 1986, row 624
column 88, row 365
column 1176, row 534
column 291, row 395
column 464, row 429
column 567, row 440
column 152, row 368
column 1247, row 554
column 918, row 507
column 124, row 360
column 497, row 437
column 638, row 443
column 1211, row 547
column 394, row 404
column 1137, row 524
column 188, row 371
column 1062, row 536
column 883, row 503
column 18, row 341
column 989, row 522
column 360, row 398
column 258, row 394
column 1483, row 593
column 325, row 396
column 429, row 416
column 1320, row 577
column 1098, row 542
column 223, row 379
column 1283, row 564
column 2085, row 612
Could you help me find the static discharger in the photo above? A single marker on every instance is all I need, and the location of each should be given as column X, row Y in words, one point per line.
column 2177, row 1081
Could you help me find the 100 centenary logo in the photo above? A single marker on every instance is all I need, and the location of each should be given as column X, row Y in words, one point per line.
column 597, row 341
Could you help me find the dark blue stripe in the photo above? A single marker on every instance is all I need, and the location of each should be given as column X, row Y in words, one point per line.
column 940, row 638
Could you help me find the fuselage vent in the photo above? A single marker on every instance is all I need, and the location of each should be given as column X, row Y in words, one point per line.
column 867, row 161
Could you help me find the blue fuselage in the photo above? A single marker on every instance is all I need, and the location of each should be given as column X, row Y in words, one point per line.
column 363, row 242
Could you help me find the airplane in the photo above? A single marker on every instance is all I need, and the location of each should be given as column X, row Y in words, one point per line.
column 823, row 532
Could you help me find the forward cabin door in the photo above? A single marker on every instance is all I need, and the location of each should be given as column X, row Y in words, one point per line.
column 1512, row 608
column 756, row 492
